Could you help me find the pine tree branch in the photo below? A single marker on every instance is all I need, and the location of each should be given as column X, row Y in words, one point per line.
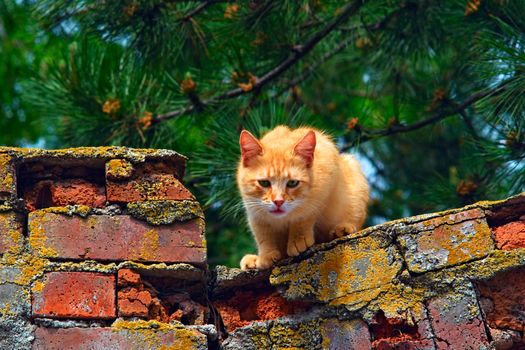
column 196, row 10
column 298, row 52
column 367, row 135
column 305, row 74
column 201, row 7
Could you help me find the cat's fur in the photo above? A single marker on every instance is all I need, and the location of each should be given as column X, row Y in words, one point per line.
column 330, row 200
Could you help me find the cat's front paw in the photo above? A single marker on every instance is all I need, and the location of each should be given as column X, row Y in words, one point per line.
column 342, row 230
column 249, row 261
column 260, row 262
column 299, row 243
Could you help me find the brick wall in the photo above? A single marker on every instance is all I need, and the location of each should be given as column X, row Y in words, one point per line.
column 103, row 248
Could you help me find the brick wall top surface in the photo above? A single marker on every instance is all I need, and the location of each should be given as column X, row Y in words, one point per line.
column 104, row 248
column 110, row 152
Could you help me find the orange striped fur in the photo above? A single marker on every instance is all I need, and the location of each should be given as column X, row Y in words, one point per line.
column 297, row 190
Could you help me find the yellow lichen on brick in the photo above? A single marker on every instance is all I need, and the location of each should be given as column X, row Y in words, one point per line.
column 149, row 331
column 7, row 181
column 6, row 310
column 31, row 267
column 119, row 169
column 359, row 299
column 447, row 244
column 400, row 300
column 5, row 207
column 148, row 190
column 77, row 209
column 285, row 335
column 149, row 247
column 37, row 236
column 496, row 261
column 38, row 286
column 104, row 152
column 164, row 212
column 361, row 266
column 12, row 238
column 479, row 245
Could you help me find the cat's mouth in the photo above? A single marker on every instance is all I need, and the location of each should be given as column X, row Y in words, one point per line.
column 277, row 211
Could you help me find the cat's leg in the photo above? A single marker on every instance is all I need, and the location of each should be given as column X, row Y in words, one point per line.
column 300, row 237
column 268, row 249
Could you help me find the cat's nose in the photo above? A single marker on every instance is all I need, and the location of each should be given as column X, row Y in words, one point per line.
column 278, row 202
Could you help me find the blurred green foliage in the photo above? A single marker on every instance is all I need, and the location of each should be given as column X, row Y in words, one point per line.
column 428, row 93
column 24, row 49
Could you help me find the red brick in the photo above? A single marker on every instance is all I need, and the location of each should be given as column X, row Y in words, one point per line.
column 134, row 303
column 11, row 236
column 64, row 192
column 140, row 302
column 397, row 333
column 246, row 306
column 502, row 299
column 115, row 238
column 126, row 182
column 457, row 322
column 128, row 277
column 7, row 177
column 151, row 187
column 400, row 343
column 85, row 295
column 510, row 236
column 117, row 339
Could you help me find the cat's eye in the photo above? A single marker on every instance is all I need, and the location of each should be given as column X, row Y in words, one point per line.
column 264, row 183
column 292, row 183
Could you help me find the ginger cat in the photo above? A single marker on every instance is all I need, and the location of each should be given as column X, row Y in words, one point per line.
column 297, row 190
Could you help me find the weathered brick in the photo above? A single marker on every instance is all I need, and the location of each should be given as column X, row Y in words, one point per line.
column 138, row 300
column 128, row 277
column 125, row 183
column 400, row 333
column 296, row 333
column 11, row 236
column 133, row 302
column 7, row 176
column 258, row 303
column 505, row 339
column 449, row 240
column 510, row 236
column 347, row 335
column 457, row 322
column 14, row 298
column 59, row 193
column 449, row 219
column 116, row 338
column 350, row 273
column 84, row 295
column 503, row 300
column 115, row 238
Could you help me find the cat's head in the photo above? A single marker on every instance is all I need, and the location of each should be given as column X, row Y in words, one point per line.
column 275, row 177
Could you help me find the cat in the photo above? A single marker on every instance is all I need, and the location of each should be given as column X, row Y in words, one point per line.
column 297, row 190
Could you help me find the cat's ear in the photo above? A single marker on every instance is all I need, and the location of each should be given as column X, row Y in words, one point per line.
column 250, row 147
column 306, row 148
